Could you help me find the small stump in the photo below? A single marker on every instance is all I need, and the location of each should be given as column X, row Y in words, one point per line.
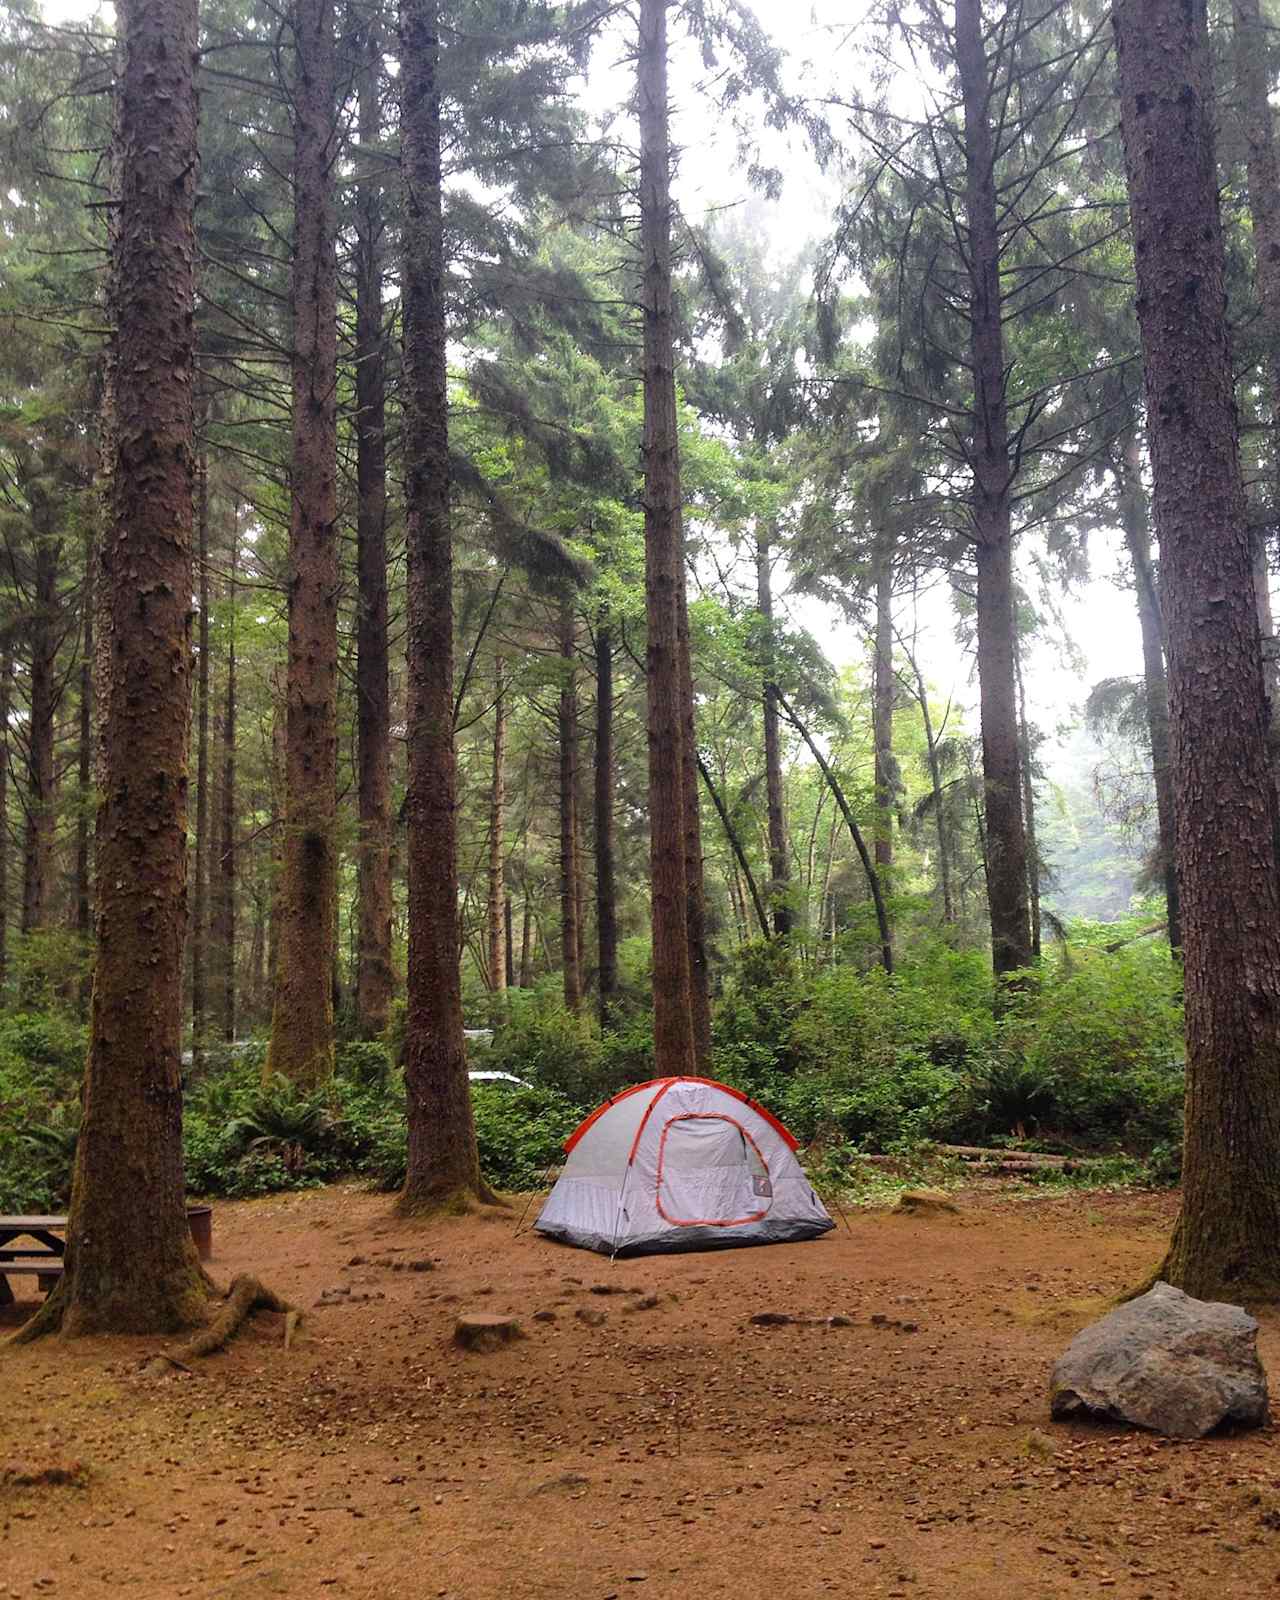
column 483, row 1332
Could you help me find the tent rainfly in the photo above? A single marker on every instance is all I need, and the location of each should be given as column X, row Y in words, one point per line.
column 680, row 1164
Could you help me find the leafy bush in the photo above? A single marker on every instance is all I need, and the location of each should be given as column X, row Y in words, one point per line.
column 542, row 1040
column 520, row 1133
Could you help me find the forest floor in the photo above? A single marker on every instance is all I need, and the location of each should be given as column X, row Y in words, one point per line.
column 676, row 1450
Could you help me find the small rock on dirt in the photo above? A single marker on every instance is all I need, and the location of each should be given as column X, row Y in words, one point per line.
column 566, row 1480
column 646, row 1302
column 544, row 1316
column 771, row 1319
column 592, row 1317
column 1178, row 1366
column 839, row 1321
column 482, row 1332
column 925, row 1203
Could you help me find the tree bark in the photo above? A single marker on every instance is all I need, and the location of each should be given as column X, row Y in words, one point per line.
column 1135, row 521
column 508, row 952
column 779, row 856
column 301, row 1046
column 497, row 844
column 673, row 1032
column 375, row 979
column 84, row 778
column 605, row 861
column 993, row 472
column 224, row 896
column 567, row 746
column 1226, row 1244
column 443, row 1162
column 130, row 1264
column 1262, row 169
column 199, row 933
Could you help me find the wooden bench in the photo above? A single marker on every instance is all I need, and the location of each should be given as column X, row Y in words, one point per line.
column 45, row 1269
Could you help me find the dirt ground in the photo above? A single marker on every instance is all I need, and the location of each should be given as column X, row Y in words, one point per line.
column 666, row 1450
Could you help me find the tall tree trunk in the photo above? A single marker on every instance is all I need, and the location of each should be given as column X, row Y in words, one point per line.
column 567, row 745
column 302, row 1022
column 508, row 952
column 673, row 1032
column 199, row 933
column 779, row 857
column 375, row 980
column 882, row 706
column 1135, row 521
column 278, row 720
column 694, row 886
column 606, row 868
column 497, row 845
column 993, row 470
column 130, row 1265
column 1226, row 1244
column 443, row 1162
column 1252, row 48
column 224, row 899
column 84, row 782
column 38, row 852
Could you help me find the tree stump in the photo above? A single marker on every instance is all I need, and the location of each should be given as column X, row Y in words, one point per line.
column 483, row 1332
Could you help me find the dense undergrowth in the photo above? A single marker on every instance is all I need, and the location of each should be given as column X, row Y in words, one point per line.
column 1086, row 1057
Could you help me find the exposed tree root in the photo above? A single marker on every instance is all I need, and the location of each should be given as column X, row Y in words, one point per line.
column 244, row 1296
column 48, row 1319
column 477, row 1200
column 241, row 1299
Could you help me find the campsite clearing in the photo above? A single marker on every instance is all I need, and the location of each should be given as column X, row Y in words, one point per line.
column 664, row 1445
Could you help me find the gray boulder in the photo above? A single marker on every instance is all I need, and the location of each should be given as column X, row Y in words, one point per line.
column 1178, row 1366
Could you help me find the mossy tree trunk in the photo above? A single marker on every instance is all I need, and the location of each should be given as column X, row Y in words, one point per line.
column 499, row 944
column 375, row 979
column 673, row 1024
column 604, row 834
column 779, row 855
column 443, row 1162
column 199, row 934
column 1227, row 1240
column 567, row 749
column 224, row 888
column 992, row 468
column 302, row 1021
column 131, row 1266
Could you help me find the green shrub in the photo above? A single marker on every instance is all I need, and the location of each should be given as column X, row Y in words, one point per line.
column 543, row 1041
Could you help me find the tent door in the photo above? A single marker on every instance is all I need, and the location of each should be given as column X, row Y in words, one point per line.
column 711, row 1173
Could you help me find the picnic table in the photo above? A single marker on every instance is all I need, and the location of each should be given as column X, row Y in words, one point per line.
column 31, row 1245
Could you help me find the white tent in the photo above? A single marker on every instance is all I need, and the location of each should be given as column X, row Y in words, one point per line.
column 680, row 1164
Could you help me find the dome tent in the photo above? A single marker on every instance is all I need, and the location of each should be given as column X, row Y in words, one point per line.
column 680, row 1164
